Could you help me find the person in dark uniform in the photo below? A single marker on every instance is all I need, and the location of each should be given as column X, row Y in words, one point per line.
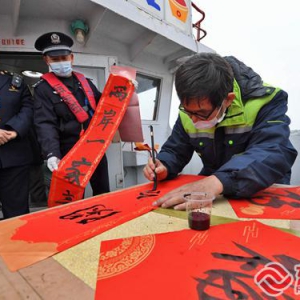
column 37, row 185
column 57, row 125
column 16, row 117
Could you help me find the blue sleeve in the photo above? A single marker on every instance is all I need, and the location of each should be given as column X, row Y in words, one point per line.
column 268, row 157
column 46, row 121
column 176, row 151
column 23, row 120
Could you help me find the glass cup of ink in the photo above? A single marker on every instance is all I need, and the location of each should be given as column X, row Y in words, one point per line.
column 198, row 207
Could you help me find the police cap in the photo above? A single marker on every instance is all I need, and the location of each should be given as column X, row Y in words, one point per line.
column 54, row 44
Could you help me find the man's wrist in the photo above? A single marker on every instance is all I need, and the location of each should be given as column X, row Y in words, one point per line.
column 227, row 182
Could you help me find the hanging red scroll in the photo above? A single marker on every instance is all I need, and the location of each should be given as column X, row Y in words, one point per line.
column 232, row 261
column 272, row 203
column 76, row 168
column 30, row 238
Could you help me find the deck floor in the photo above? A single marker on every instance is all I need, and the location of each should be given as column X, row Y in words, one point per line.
column 46, row 280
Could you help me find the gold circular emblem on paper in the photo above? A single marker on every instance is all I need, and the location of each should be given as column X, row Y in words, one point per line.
column 253, row 209
column 128, row 254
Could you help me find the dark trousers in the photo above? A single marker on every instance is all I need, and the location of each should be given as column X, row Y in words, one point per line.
column 14, row 191
column 100, row 180
column 37, row 187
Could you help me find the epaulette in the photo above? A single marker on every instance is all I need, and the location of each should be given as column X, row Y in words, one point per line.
column 5, row 72
column 37, row 83
column 16, row 80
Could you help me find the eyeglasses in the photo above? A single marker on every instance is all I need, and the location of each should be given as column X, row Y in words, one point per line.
column 201, row 117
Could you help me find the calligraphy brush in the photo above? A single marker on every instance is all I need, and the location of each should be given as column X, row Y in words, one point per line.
column 153, row 158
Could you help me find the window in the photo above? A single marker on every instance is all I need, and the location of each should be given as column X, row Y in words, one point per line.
column 148, row 93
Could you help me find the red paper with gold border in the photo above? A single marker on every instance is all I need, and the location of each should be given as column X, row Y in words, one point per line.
column 77, row 167
column 30, row 238
column 219, row 263
column 271, row 203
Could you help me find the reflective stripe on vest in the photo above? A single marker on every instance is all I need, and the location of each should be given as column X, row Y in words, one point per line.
column 239, row 117
column 67, row 96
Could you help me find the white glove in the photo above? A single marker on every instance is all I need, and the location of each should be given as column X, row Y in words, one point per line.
column 52, row 163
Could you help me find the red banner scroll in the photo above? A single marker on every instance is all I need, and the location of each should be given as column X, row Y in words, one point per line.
column 30, row 238
column 221, row 263
column 76, row 168
column 272, row 203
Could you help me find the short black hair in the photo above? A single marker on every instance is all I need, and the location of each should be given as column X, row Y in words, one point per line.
column 204, row 75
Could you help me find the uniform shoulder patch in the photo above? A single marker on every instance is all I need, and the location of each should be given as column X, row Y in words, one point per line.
column 16, row 80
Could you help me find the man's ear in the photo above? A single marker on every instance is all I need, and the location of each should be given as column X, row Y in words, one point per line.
column 230, row 97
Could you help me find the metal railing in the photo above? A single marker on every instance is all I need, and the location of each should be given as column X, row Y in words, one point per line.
column 201, row 33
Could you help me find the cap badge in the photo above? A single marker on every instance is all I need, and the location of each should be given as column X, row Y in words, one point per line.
column 55, row 39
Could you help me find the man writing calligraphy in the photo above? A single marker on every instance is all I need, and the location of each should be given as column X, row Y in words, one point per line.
column 235, row 122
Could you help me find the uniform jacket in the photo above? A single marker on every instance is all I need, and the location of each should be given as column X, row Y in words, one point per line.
column 249, row 150
column 16, row 113
column 57, row 128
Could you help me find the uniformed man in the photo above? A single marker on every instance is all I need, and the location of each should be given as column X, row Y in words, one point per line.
column 60, row 117
column 16, row 117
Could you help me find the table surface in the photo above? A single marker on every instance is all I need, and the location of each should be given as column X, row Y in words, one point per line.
column 77, row 267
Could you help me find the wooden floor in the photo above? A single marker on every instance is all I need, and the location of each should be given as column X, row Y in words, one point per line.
column 45, row 280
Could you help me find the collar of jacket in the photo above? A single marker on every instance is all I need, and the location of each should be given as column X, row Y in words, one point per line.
column 235, row 114
column 243, row 113
column 250, row 83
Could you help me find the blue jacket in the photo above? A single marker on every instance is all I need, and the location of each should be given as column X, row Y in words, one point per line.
column 16, row 113
column 249, row 150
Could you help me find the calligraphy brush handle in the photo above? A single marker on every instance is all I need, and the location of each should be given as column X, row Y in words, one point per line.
column 153, row 156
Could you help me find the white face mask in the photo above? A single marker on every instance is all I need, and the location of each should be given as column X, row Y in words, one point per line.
column 210, row 123
column 61, row 68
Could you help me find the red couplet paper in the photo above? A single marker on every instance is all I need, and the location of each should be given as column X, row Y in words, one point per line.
column 220, row 263
column 30, row 238
column 77, row 167
column 271, row 203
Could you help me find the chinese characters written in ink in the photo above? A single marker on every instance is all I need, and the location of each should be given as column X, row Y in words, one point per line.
column 107, row 118
column 73, row 173
column 148, row 194
column 119, row 92
column 276, row 199
column 90, row 214
column 239, row 284
column 67, row 198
